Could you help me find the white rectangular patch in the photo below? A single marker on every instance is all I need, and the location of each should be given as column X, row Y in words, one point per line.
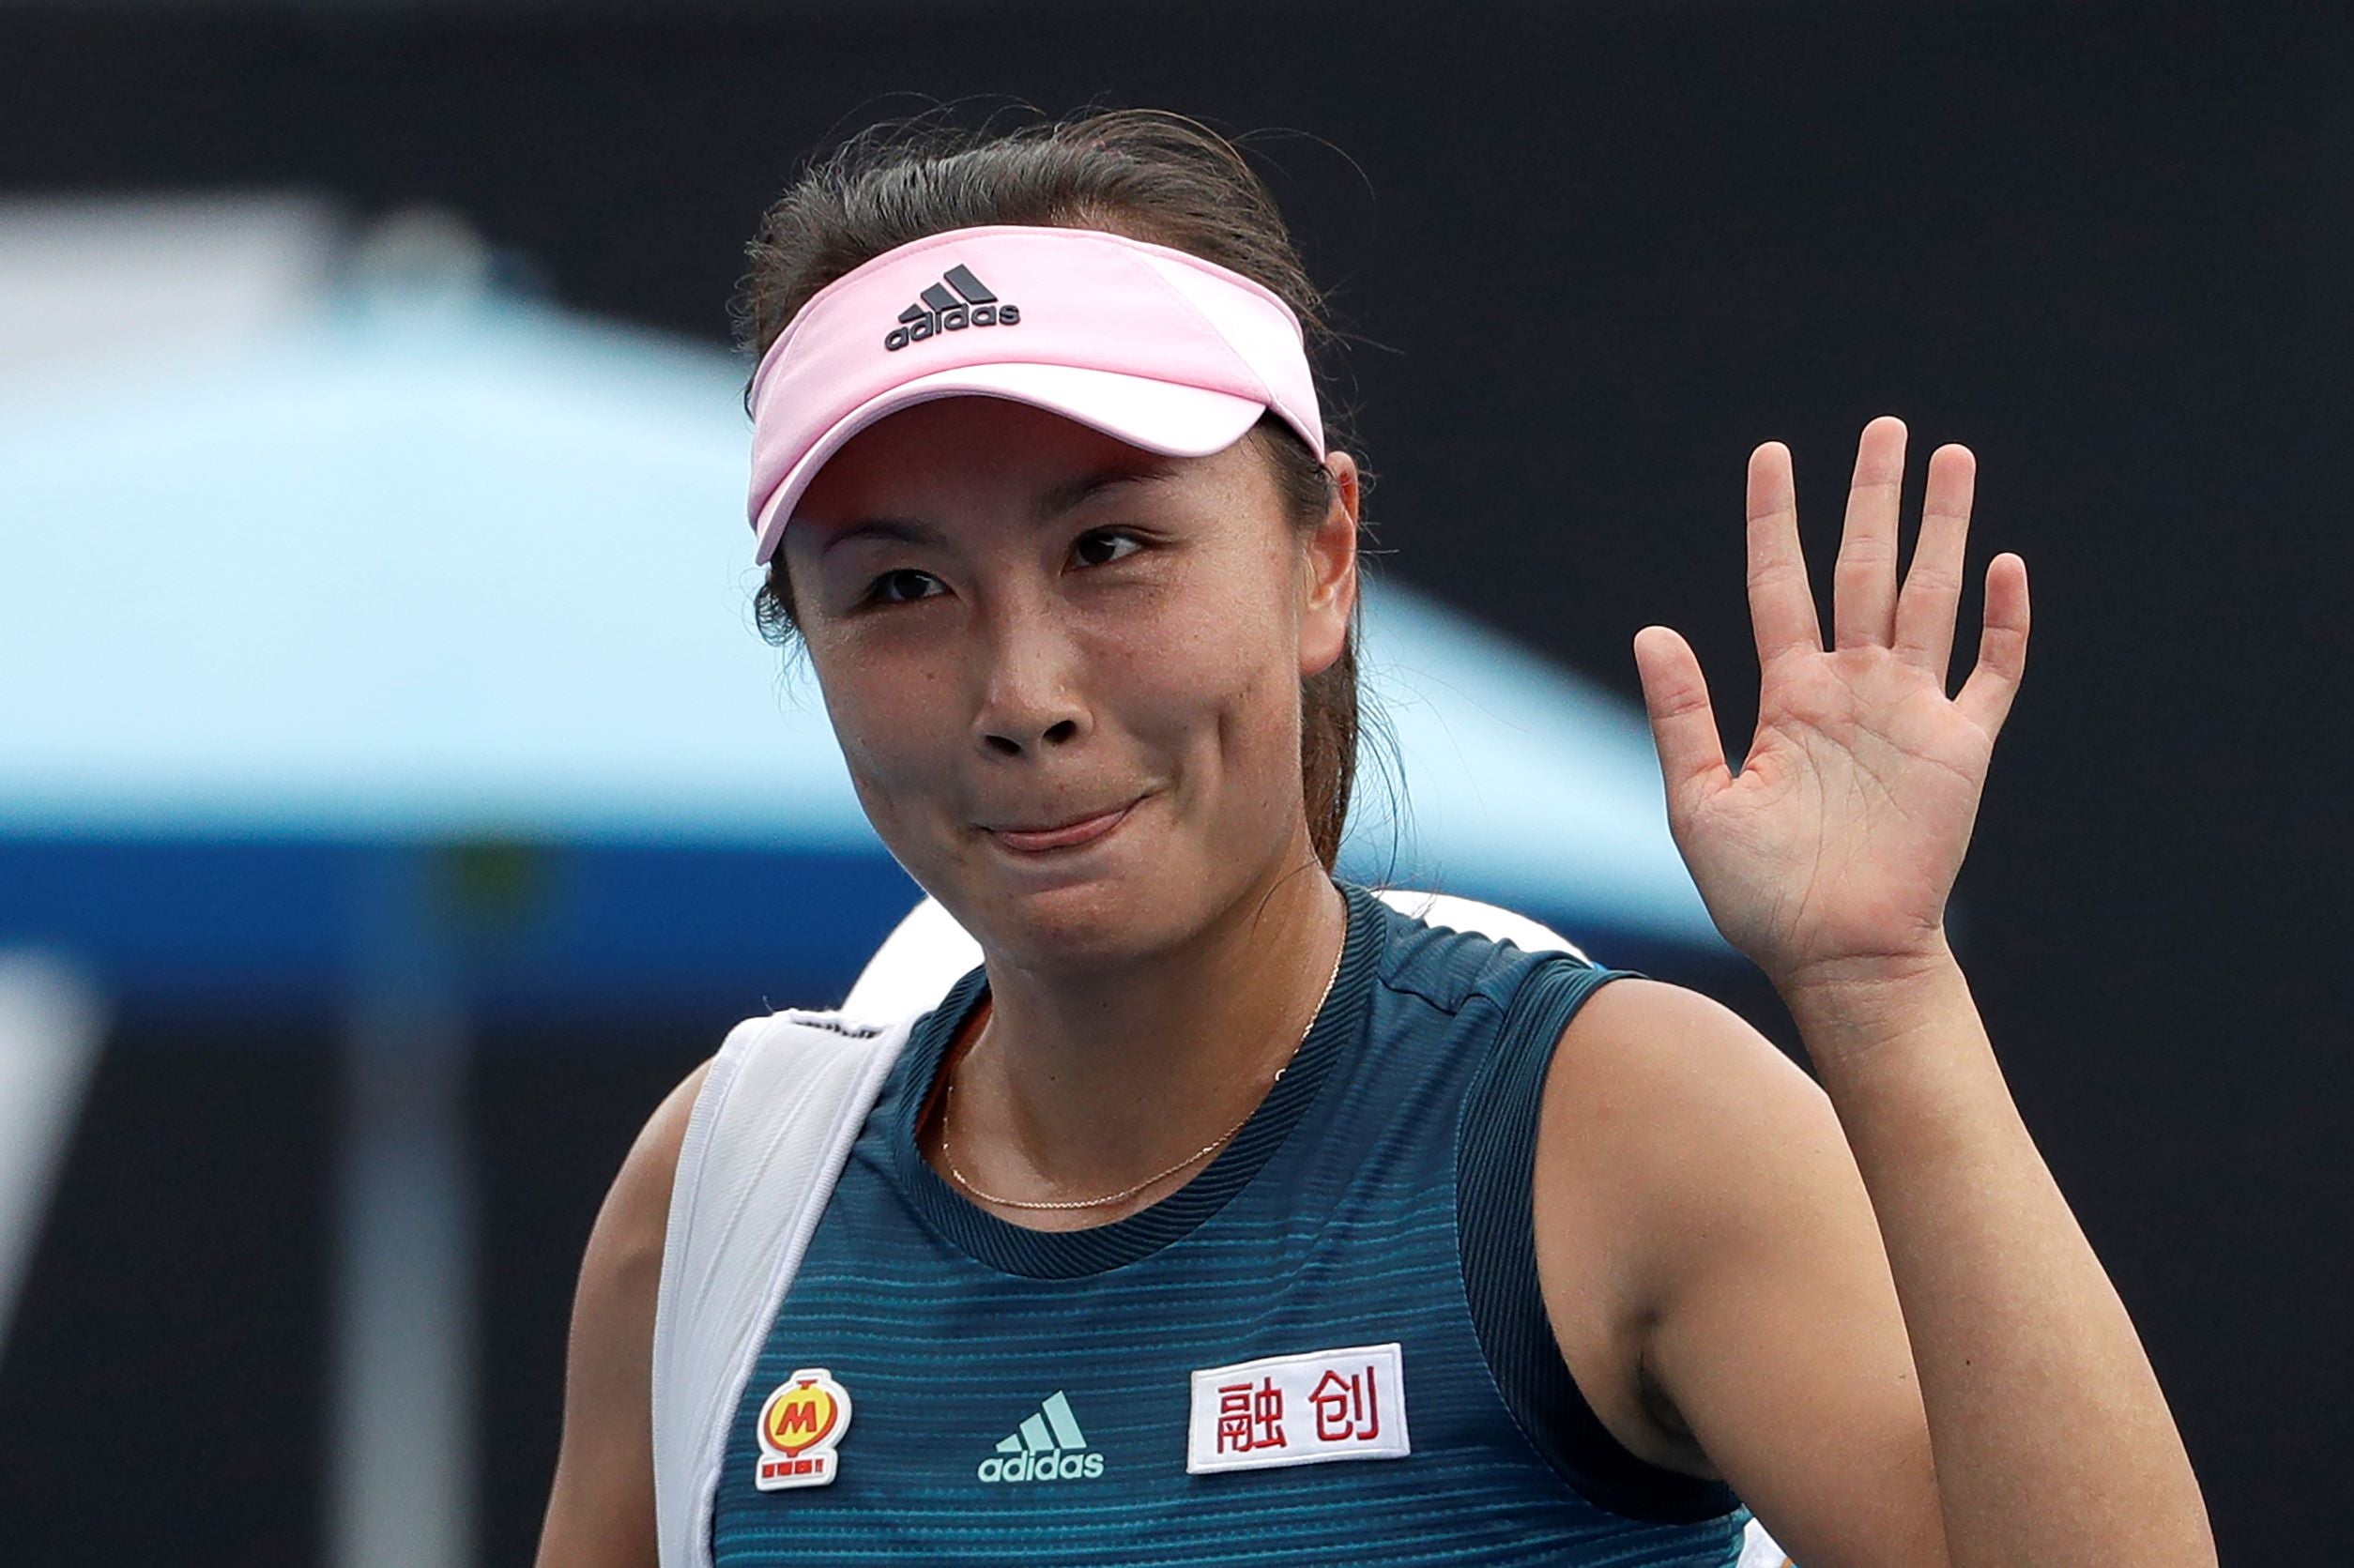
column 1302, row 1409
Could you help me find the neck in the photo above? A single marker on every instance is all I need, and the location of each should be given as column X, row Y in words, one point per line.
column 1073, row 1089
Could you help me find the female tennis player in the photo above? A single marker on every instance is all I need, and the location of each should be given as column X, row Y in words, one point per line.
column 1228, row 1214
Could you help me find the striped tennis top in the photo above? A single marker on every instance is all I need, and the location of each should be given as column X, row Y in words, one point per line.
column 1327, row 1348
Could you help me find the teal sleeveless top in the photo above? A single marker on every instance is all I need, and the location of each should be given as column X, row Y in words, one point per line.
column 1014, row 1396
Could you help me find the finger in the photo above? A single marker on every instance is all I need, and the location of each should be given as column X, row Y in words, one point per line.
column 2002, row 646
column 1932, row 584
column 1863, row 583
column 1781, row 605
column 1683, row 724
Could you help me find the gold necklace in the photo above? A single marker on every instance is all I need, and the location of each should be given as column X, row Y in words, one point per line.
column 948, row 1101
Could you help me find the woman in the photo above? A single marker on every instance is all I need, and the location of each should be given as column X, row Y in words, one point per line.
column 1220, row 1173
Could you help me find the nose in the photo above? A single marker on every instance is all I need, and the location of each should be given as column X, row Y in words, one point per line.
column 1030, row 700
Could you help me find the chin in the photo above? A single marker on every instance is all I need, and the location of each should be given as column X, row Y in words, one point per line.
column 1115, row 914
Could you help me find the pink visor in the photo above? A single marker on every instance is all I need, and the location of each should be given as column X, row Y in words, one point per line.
column 1154, row 346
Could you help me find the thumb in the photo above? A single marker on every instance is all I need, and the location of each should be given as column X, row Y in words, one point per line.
column 1683, row 724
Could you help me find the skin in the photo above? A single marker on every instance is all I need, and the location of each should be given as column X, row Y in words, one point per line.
column 1864, row 1304
column 997, row 652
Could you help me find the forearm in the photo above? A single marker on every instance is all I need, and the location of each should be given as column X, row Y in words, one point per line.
column 2052, row 1439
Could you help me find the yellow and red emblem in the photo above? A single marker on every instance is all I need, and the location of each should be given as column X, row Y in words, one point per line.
column 800, row 1422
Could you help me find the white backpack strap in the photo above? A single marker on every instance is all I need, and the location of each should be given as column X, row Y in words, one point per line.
column 929, row 952
column 1479, row 919
column 765, row 1144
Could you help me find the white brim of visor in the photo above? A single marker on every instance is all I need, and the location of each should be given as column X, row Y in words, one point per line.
column 1159, row 415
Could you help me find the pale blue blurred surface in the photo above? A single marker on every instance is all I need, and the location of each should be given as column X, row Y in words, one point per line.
column 438, row 566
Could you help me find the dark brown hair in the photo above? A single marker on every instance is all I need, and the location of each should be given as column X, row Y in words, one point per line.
column 1147, row 175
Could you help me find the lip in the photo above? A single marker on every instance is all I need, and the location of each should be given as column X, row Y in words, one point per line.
column 1066, row 835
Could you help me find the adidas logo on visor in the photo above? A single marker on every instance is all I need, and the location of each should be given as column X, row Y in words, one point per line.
column 1047, row 1446
column 937, row 311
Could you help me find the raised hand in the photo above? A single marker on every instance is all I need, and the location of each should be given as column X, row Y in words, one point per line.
column 1832, row 853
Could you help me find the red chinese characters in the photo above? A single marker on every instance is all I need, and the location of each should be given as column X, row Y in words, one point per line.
column 1348, row 1409
column 1303, row 1408
column 1251, row 1416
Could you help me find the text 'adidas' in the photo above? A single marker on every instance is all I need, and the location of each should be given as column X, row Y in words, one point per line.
column 1047, row 1446
column 937, row 311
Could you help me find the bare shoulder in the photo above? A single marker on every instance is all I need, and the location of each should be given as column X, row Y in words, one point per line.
column 601, row 1508
column 1705, row 1246
column 1657, row 1099
column 629, row 1226
column 1672, row 1104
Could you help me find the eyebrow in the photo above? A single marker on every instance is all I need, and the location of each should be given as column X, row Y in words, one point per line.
column 1052, row 502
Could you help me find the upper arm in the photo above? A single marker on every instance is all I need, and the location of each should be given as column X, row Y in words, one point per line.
column 601, row 1508
column 1697, row 1181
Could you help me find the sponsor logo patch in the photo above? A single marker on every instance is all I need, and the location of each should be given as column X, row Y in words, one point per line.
column 800, row 1422
column 1308, row 1408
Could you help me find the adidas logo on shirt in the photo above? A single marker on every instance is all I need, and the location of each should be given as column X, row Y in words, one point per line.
column 937, row 311
column 1047, row 1446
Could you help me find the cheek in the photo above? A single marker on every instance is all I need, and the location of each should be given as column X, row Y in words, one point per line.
column 891, row 719
column 1217, row 677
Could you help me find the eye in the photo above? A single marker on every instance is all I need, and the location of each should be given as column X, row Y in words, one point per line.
column 903, row 586
column 1103, row 546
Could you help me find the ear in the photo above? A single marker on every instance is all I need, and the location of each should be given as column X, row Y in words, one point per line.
column 1329, row 582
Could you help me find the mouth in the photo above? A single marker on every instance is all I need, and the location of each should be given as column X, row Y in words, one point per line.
column 1037, row 839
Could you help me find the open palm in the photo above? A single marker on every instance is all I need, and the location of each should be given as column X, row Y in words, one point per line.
column 1839, row 838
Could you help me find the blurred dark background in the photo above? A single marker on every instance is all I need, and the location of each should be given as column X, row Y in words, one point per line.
column 1594, row 253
